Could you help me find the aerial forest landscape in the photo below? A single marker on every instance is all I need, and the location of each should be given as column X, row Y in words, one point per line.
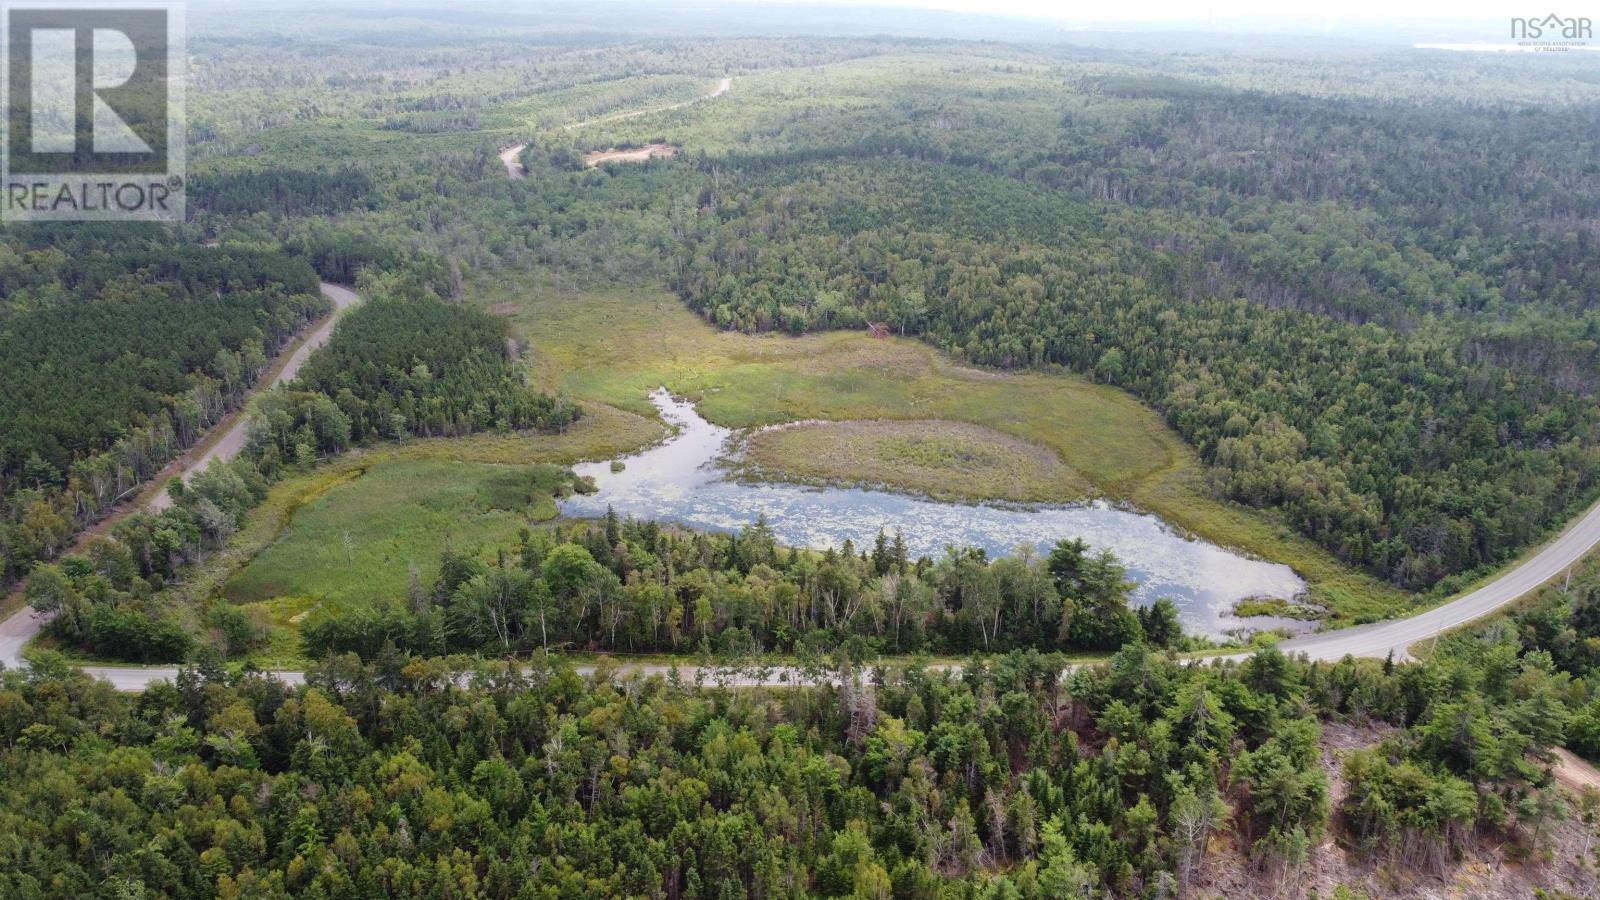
column 767, row 450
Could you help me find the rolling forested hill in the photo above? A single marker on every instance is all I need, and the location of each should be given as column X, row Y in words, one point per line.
column 1364, row 293
column 1334, row 305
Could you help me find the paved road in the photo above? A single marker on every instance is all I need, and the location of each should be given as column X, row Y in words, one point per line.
column 1381, row 638
column 1376, row 640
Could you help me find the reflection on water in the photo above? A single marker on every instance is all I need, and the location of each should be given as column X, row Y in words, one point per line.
column 680, row 481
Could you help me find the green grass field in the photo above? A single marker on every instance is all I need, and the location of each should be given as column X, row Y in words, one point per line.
column 360, row 540
column 400, row 504
column 1023, row 435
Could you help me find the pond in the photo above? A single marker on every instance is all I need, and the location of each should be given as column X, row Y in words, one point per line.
column 681, row 480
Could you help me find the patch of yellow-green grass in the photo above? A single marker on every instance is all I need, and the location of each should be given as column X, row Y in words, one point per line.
column 282, row 616
column 941, row 459
column 46, row 643
column 445, row 466
column 603, row 432
column 11, row 602
column 360, row 542
column 263, row 526
column 616, row 346
column 1274, row 606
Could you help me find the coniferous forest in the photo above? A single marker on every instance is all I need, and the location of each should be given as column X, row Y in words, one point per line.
column 438, row 778
column 1329, row 302
column 121, row 349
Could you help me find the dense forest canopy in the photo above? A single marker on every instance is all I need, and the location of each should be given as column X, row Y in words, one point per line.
column 1364, row 290
column 135, row 322
column 1363, row 287
column 637, row 586
column 1395, row 448
column 1327, row 282
column 1410, row 374
column 405, row 364
column 1009, row 779
column 374, row 380
column 122, row 346
column 1016, row 776
column 1329, row 278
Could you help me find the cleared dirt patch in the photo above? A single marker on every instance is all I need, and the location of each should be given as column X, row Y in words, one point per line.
column 509, row 157
column 943, row 459
column 1487, row 870
column 1575, row 774
column 630, row 155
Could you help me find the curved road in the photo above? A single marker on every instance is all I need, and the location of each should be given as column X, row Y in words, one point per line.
column 1376, row 640
column 16, row 631
column 1379, row 639
column 516, row 171
column 1382, row 638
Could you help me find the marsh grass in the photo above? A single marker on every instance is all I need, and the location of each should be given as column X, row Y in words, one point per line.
column 360, row 541
column 615, row 346
column 941, row 459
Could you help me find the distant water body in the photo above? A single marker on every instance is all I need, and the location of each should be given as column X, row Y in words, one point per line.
column 681, row 481
column 1531, row 47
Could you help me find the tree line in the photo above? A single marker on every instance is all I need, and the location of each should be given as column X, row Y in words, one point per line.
column 640, row 587
column 405, row 363
column 1395, row 449
column 411, row 363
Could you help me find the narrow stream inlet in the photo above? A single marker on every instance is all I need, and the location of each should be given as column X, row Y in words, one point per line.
column 681, row 481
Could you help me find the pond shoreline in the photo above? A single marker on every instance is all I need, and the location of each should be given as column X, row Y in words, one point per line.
column 692, row 478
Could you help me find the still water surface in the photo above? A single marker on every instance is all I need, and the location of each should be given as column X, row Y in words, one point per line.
column 681, row 481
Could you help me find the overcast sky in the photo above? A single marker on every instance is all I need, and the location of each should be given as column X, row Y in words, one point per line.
column 1186, row 10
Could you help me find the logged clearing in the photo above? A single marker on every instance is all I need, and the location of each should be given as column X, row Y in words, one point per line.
column 1488, row 867
column 629, row 154
column 942, row 459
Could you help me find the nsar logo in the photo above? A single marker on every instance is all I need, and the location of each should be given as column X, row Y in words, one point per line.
column 1553, row 32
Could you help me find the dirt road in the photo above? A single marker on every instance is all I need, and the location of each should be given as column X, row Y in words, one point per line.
column 224, row 442
column 514, row 169
column 722, row 88
column 235, row 428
